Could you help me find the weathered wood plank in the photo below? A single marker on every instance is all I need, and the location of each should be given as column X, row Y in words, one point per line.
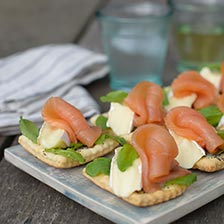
column 27, row 200
column 2, row 139
column 5, row 142
column 31, row 200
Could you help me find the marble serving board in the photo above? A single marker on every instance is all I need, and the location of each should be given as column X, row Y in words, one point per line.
column 75, row 186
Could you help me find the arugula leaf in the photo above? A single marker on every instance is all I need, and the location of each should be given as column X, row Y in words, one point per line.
column 104, row 136
column 126, row 157
column 114, row 96
column 221, row 133
column 212, row 114
column 101, row 139
column 101, row 121
column 213, row 67
column 98, row 166
column 29, row 129
column 68, row 153
column 165, row 99
column 220, row 152
column 119, row 140
column 184, row 180
column 76, row 145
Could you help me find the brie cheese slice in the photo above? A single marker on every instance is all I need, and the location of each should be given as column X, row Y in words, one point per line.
column 127, row 182
column 184, row 101
column 214, row 78
column 220, row 125
column 51, row 137
column 120, row 119
column 189, row 152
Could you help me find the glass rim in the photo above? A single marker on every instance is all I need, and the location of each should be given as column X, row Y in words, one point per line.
column 106, row 13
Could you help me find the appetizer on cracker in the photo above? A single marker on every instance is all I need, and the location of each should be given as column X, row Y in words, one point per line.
column 149, row 103
column 195, row 89
column 143, row 172
column 198, row 142
column 142, row 105
column 65, row 139
column 191, row 128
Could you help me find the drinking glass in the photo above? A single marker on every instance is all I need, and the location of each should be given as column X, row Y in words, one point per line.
column 198, row 32
column 135, row 39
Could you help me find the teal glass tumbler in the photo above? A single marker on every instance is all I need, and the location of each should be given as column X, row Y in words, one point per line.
column 135, row 38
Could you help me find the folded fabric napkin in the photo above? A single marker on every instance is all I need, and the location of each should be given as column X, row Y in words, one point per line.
column 29, row 78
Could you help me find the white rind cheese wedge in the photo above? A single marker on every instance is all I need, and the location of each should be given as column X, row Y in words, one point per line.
column 213, row 77
column 127, row 182
column 189, row 152
column 51, row 137
column 220, row 125
column 183, row 101
column 120, row 119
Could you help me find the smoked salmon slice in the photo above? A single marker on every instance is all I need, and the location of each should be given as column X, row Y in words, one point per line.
column 192, row 82
column 65, row 116
column 222, row 79
column 145, row 99
column 157, row 150
column 220, row 102
column 191, row 124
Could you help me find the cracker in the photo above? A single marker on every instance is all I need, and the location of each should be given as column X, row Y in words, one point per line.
column 141, row 199
column 59, row 161
column 210, row 163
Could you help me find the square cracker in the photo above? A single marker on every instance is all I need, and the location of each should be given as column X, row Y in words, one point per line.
column 210, row 163
column 141, row 198
column 59, row 161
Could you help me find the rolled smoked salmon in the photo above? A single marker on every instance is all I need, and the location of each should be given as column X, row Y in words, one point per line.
column 63, row 115
column 220, row 102
column 190, row 124
column 222, row 79
column 157, row 150
column 192, row 82
column 145, row 99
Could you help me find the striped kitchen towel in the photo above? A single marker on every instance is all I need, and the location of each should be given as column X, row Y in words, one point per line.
column 29, row 78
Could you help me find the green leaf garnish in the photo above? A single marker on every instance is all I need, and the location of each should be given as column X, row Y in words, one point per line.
column 212, row 114
column 213, row 67
column 101, row 121
column 126, row 157
column 119, row 140
column 29, row 129
column 114, row 96
column 68, row 153
column 221, row 133
column 104, row 136
column 76, row 145
column 101, row 139
column 98, row 166
column 185, row 180
column 220, row 152
column 165, row 99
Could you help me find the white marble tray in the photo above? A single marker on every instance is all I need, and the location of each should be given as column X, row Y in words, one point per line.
column 71, row 183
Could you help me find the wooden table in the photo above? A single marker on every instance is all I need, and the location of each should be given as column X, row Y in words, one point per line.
column 24, row 24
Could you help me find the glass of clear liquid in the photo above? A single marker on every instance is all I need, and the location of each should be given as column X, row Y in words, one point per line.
column 198, row 32
column 135, row 39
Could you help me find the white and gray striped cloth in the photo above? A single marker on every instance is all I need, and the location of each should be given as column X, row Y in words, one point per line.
column 29, row 78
